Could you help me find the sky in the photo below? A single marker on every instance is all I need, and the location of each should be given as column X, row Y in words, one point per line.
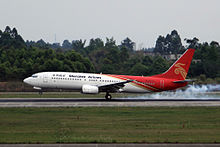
column 140, row 20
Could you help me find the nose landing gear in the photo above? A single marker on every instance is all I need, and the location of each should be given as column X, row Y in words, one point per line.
column 40, row 92
column 108, row 96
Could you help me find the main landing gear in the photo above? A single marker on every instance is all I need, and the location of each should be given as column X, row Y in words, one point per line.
column 108, row 96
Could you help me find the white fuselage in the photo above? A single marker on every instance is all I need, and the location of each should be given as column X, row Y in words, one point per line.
column 75, row 81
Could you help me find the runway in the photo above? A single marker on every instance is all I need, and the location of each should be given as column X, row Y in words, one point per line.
column 109, row 145
column 97, row 102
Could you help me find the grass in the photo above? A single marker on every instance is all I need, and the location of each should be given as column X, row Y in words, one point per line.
column 110, row 125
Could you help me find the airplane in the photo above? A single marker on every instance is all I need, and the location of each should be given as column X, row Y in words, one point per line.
column 91, row 83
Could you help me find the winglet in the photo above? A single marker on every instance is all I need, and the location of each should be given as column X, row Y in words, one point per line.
column 180, row 68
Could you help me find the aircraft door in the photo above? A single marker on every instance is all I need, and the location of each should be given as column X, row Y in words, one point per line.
column 45, row 78
column 54, row 83
column 161, row 84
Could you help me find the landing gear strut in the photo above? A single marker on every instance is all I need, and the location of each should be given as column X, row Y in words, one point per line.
column 40, row 92
column 108, row 96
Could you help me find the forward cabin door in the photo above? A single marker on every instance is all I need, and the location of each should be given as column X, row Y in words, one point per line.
column 45, row 79
column 48, row 81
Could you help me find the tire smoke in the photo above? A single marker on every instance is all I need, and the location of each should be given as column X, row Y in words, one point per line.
column 191, row 92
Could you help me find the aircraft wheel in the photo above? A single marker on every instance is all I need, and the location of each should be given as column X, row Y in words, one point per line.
column 108, row 96
column 40, row 92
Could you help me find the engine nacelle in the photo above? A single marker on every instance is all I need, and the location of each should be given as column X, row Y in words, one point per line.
column 89, row 89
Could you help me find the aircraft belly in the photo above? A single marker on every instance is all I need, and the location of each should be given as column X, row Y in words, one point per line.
column 135, row 89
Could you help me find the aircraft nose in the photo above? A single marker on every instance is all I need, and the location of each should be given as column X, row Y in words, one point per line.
column 26, row 80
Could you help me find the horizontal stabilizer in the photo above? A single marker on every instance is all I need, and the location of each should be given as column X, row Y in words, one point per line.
column 183, row 81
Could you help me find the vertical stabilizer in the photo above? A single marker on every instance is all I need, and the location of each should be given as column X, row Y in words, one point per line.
column 180, row 68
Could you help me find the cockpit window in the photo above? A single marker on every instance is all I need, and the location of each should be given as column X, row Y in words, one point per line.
column 34, row 76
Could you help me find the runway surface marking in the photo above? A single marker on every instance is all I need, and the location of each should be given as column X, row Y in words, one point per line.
column 89, row 102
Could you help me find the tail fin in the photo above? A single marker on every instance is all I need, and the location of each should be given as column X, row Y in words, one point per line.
column 180, row 68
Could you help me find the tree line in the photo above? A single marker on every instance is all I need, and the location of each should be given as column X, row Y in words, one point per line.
column 19, row 58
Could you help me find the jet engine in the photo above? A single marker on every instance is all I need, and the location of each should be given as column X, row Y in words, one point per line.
column 89, row 89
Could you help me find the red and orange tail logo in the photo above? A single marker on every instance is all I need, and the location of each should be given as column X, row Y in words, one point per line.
column 180, row 70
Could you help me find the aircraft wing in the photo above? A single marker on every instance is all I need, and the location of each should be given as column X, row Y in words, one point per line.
column 113, row 87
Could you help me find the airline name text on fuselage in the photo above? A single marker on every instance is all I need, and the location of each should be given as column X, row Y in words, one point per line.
column 76, row 76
